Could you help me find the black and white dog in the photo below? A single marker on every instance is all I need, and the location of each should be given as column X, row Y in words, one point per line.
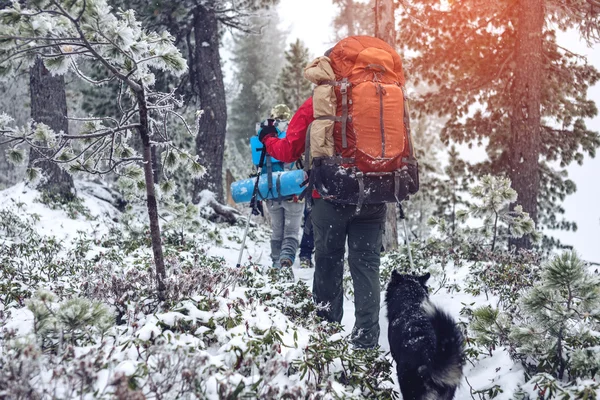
column 425, row 342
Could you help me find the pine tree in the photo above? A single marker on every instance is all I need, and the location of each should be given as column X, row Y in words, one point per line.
column 558, row 331
column 129, row 55
column 11, row 104
column 451, row 196
column 499, row 74
column 258, row 59
column 198, row 28
column 292, row 87
column 49, row 107
column 433, row 191
column 491, row 200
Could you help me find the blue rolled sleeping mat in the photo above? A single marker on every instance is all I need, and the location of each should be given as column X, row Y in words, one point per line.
column 284, row 183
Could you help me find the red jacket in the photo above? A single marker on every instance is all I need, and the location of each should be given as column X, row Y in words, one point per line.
column 291, row 147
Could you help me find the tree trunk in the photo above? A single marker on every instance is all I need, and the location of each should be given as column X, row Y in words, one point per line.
column 151, row 202
column 384, row 29
column 206, row 79
column 525, row 119
column 349, row 11
column 49, row 106
column 385, row 22
column 390, row 237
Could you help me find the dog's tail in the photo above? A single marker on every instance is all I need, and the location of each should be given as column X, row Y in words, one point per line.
column 446, row 368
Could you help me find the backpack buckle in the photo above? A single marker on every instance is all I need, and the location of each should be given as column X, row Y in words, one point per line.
column 344, row 86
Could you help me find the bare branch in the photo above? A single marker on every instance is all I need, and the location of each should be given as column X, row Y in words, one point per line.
column 100, row 134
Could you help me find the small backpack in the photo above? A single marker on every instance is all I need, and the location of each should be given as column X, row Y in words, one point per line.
column 359, row 148
column 272, row 167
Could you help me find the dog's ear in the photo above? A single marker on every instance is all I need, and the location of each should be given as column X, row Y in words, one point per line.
column 396, row 276
column 423, row 279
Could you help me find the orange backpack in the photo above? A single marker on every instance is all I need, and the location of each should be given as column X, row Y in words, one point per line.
column 363, row 154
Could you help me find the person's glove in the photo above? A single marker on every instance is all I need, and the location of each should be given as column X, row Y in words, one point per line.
column 267, row 131
column 257, row 207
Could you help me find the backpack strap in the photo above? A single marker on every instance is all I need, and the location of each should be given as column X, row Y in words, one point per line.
column 329, row 118
column 278, row 186
column 411, row 155
column 361, row 191
column 269, row 176
column 307, row 160
column 397, row 185
column 344, row 91
column 336, row 160
column 307, row 192
column 344, row 85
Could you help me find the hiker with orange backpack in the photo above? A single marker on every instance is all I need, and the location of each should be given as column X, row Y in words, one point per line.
column 355, row 134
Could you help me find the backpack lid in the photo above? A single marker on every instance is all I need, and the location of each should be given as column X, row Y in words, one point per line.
column 355, row 55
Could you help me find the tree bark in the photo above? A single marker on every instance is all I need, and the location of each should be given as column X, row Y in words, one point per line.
column 390, row 237
column 385, row 21
column 151, row 201
column 384, row 29
column 349, row 12
column 206, row 78
column 525, row 117
column 49, row 106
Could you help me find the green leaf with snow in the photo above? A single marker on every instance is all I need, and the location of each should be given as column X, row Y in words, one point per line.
column 174, row 62
column 167, row 186
column 170, row 160
column 196, row 169
column 66, row 155
column 43, row 133
column 140, row 185
column 15, row 156
column 126, row 152
column 57, row 65
column 133, row 171
column 5, row 120
column 33, row 175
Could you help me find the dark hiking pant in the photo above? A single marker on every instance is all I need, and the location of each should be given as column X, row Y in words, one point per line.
column 307, row 244
column 332, row 224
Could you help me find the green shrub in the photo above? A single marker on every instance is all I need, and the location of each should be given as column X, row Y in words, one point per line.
column 558, row 331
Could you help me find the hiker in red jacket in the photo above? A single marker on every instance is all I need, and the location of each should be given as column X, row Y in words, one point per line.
column 332, row 224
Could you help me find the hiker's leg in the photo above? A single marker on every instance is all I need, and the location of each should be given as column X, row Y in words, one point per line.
column 291, row 229
column 277, row 220
column 364, row 252
column 329, row 226
column 307, row 244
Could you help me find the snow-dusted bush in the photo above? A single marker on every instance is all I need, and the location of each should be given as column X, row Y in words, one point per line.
column 492, row 198
column 73, row 207
column 222, row 332
column 558, row 331
column 67, row 35
column 131, row 288
column 546, row 387
column 31, row 261
column 503, row 274
column 75, row 322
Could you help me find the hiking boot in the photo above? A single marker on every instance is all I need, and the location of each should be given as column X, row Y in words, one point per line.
column 306, row 263
column 285, row 271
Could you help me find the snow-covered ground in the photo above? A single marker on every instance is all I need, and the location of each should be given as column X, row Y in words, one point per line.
column 486, row 372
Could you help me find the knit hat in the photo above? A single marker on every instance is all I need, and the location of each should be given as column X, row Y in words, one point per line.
column 281, row 111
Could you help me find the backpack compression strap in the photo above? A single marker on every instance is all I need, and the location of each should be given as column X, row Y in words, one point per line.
column 344, row 85
column 411, row 155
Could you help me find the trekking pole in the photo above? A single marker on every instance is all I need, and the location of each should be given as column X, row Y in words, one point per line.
column 254, row 202
column 403, row 218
